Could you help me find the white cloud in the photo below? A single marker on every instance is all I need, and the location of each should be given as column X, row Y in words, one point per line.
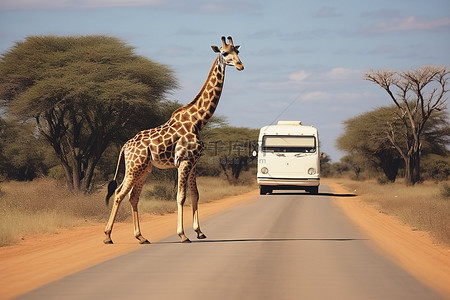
column 408, row 24
column 298, row 76
column 302, row 79
column 338, row 97
column 340, row 73
column 317, row 96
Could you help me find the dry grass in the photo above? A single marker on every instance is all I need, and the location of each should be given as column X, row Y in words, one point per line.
column 159, row 197
column 424, row 206
column 45, row 205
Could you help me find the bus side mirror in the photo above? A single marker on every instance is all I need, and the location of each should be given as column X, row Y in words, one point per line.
column 254, row 153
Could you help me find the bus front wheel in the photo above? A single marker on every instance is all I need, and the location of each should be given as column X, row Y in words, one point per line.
column 314, row 190
column 263, row 190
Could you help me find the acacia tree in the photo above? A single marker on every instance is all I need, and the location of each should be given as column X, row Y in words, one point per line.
column 365, row 137
column 230, row 148
column 21, row 158
column 83, row 93
column 417, row 94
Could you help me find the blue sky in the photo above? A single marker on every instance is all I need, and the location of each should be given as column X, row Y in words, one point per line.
column 303, row 59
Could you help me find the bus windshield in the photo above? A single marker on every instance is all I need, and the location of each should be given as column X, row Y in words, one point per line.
column 289, row 143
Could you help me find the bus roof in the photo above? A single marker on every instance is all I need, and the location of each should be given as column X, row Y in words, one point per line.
column 289, row 123
column 288, row 128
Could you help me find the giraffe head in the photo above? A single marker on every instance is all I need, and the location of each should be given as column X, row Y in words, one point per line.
column 229, row 53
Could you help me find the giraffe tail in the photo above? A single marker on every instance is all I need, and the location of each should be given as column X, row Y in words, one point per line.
column 112, row 186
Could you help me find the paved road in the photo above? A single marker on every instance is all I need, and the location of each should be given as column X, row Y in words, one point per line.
column 286, row 246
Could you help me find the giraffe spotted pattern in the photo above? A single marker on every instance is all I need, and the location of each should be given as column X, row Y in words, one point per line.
column 175, row 144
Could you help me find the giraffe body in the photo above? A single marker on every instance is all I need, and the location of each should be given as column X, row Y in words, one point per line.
column 175, row 144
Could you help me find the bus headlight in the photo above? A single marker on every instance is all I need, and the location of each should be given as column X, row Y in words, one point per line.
column 311, row 171
column 264, row 170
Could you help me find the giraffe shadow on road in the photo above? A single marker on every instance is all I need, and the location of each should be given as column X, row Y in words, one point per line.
column 337, row 194
column 270, row 240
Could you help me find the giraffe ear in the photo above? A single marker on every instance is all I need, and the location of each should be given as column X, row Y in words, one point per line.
column 215, row 49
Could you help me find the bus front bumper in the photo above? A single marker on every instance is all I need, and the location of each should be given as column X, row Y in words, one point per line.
column 288, row 181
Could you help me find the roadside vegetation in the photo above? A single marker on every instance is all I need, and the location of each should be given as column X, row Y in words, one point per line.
column 424, row 207
column 45, row 205
column 398, row 157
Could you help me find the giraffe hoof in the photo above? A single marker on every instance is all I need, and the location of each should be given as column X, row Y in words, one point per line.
column 185, row 240
column 108, row 241
column 201, row 236
column 142, row 240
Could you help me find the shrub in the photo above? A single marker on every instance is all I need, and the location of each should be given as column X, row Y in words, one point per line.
column 445, row 191
column 163, row 191
column 436, row 168
column 382, row 180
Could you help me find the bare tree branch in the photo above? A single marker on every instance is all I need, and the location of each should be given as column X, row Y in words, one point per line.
column 417, row 94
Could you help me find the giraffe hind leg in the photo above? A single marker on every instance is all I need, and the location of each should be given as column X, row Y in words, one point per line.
column 120, row 193
column 134, row 200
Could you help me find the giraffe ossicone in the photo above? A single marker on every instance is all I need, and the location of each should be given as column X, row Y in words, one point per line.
column 175, row 144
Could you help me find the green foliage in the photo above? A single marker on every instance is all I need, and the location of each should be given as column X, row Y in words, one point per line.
column 84, row 93
column 419, row 95
column 339, row 168
column 228, row 150
column 325, row 165
column 365, row 136
column 23, row 153
column 436, row 134
column 355, row 163
column 366, row 139
column 436, row 167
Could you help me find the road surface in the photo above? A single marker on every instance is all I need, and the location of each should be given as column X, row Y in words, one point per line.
column 290, row 245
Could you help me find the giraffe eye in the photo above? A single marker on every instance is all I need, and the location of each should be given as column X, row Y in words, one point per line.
column 225, row 54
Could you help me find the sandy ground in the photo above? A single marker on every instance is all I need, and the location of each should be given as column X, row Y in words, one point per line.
column 40, row 259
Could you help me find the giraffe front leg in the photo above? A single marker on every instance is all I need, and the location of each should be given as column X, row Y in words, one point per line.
column 180, row 152
column 194, row 199
column 183, row 173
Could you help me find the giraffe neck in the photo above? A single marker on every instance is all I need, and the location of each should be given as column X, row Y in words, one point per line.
column 200, row 110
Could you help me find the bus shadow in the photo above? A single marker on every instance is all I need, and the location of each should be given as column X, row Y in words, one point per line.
column 326, row 194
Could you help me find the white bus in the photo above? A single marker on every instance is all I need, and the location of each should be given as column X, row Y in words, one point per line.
column 288, row 157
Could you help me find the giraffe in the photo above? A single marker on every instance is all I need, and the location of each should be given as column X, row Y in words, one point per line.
column 175, row 144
